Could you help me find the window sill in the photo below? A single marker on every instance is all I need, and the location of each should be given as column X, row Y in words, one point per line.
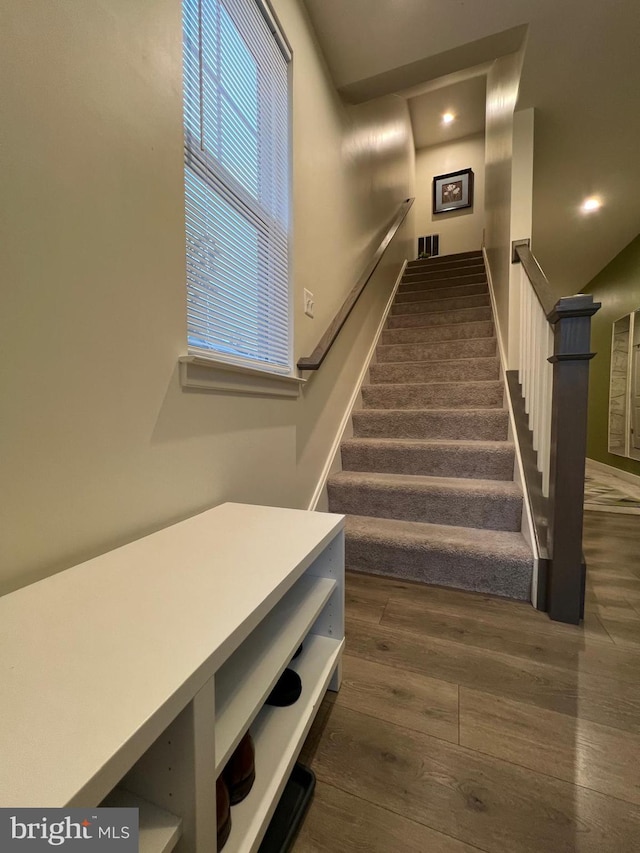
column 206, row 374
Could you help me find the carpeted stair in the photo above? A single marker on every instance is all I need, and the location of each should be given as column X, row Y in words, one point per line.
column 427, row 480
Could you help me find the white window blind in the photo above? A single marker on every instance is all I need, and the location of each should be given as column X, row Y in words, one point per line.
column 236, row 118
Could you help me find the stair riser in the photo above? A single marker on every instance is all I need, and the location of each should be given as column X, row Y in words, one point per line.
column 482, row 348
column 448, row 260
column 510, row 578
column 490, row 425
column 431, row 460
column 440, row 305
column 479, row 511
column 439, row 318
column 411, row 276
column 436, row 334
column 441, row 293
column 429, row 274
column 436, row 371
column 454, row 395
column 440, row 284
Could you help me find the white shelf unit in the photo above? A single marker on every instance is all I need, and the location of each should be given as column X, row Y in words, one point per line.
column 159, row 830
column 155, row 658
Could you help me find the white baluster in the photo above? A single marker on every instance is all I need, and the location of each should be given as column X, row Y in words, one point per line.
column 541, row 355
column 527, row 349
column 524, row 286
column 535, row 362
column 547, row 425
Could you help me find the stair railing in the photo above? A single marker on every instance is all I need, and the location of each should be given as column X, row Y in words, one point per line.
column 553, row 375
column 313, row 361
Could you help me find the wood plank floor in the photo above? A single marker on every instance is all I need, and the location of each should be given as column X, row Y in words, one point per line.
column 467, row 723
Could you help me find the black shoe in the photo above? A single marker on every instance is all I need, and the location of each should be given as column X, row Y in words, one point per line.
column 287, row 690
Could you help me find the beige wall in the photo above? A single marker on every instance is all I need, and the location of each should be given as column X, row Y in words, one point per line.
column 521, row 215
column 502, row 92
column 99, row 443
column 460, row 230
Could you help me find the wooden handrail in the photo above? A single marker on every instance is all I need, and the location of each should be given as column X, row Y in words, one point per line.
column 538, row 279
column 313, row 361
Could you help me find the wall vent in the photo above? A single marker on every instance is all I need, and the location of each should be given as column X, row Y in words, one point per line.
column 429, row 244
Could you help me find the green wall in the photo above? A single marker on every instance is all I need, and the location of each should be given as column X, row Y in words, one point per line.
column 617, row 287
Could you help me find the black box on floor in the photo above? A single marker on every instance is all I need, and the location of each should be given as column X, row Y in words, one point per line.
column 290, row 811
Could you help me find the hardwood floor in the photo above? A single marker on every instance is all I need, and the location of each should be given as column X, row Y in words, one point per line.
column 467, row 723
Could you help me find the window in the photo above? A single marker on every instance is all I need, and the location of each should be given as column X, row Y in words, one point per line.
column 236, row 124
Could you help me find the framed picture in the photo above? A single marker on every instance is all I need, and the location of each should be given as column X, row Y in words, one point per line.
column 453, row 191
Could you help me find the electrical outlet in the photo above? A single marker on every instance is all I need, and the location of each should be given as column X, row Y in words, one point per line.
column 309, row 304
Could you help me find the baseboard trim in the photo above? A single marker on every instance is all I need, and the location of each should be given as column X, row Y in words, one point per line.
column 496, row 319
column 329, row 466
column 528, row 530
column 616, row 472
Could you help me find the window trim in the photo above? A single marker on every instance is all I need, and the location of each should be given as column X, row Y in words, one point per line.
column 207, row 374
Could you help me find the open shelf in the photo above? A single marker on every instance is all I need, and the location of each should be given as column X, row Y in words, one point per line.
column 229, row 594
column 246, row 679
column 278, row 734
column 160, row 830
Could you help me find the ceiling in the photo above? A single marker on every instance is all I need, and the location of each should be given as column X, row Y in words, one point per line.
column 581, row 73
column 465, row 100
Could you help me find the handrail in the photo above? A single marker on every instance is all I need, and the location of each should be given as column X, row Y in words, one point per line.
column 538, row 279
column 313, row 361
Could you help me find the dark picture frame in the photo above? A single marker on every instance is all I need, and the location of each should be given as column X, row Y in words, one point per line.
column 453, row 191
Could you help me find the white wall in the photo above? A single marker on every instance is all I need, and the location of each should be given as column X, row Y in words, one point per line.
column 460, row 230
column 99, row 443
column 521, row 215
column 502, row 93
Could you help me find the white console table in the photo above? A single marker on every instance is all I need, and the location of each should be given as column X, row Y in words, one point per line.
column 130, row 679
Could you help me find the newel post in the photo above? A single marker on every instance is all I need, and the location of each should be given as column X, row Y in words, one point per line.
column 571, row 317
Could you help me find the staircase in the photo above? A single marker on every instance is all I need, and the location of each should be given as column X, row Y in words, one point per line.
column 427, row 480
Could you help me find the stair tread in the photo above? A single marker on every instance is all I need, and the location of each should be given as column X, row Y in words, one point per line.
column 426, row 536
column 435, row 363
column 423, row 482
column 466, row 308
column 457, row 413
column 457, row 325
column 461, row 358
column 411, row 278
column 475, row 264
column 444, row 271
column 479, row 444
column 460, row 342
column 441, row 299
column 485, row 383
column 459, row 292
column 437, row 259
column 427, row 319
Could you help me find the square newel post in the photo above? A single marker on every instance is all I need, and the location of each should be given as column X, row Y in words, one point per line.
column 571, row 317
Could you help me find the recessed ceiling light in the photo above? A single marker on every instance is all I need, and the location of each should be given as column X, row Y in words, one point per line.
column 591, row 204
column 447, row 118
